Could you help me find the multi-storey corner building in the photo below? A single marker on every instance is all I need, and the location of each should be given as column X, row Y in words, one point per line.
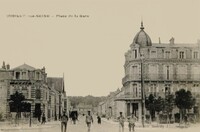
column 44, row 96
column 158, row 69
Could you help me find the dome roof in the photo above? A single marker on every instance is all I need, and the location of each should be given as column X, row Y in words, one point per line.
column 142, row 38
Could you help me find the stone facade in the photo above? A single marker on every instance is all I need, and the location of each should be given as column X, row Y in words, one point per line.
column 110, row 108
column 34, row 85
column 163, row 68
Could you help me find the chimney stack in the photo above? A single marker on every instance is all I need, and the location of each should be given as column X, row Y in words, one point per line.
column 8, row 67
column 171, row 41
column 4, row 66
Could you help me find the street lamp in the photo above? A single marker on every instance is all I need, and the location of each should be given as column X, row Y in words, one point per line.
column 142, row 88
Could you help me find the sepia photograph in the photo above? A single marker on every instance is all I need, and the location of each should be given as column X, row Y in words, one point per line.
column 99, row 65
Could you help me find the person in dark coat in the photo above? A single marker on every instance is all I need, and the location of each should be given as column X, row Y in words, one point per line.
column 43, row 119
column 98, row 119
column 64, row 120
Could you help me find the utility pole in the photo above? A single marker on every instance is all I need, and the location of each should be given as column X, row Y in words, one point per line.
column 142, row 90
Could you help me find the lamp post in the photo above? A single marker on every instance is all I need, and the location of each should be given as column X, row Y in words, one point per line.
column 142, row 89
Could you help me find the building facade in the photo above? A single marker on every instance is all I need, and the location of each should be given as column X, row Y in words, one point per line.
column 158, row 69
column 33, row 84
column 110, row 108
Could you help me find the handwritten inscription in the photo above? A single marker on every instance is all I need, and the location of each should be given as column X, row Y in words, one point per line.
column 47, row 16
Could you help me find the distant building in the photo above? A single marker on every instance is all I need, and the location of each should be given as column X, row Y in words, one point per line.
column 83, row 109
column 110, row 108
column 58, row 98
column 33, row 83
column 101, row 109
column 161, row 68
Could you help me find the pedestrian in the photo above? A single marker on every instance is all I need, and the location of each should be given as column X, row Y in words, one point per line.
column 64, row 120
column 121, row 120
column 98, row 119
column 131, row 122
column 89, row 120
column 43, row 119
column 74, row 118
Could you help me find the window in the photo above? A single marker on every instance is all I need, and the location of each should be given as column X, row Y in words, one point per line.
column 37, row 94
column 153, row 89
column 153, row 54
column 167, row 89
column 24, row 75
column 135, row 69
column 182, row 72
column 135, row 90
column 37, row 75
column 17, row 75
column 135, row 51
column 153, row 72
column 181, row 55
column 195, row 55
column 167, row 72
column 167, row 54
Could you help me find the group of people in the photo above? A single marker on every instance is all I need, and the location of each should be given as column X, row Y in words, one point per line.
column 131, row 122
column 89, row 120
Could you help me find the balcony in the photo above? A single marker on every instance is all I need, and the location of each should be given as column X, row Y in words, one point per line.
column 128, row 97
column 161, row 77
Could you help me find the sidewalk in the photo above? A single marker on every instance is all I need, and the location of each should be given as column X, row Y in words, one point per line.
column 8, row 126
column 160, row 127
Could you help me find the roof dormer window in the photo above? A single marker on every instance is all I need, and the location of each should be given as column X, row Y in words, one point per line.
column 167, row 54
column 37, row 76
column 17, row 75
column 181, row 55
column 153, row 54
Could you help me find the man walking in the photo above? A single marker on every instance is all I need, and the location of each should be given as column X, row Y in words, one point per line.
column 121, row 120
column 43, row 119
column 64, row 120
column 131, row 122
column 89, row 120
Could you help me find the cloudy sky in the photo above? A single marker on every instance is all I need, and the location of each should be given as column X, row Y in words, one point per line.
column 89, row 51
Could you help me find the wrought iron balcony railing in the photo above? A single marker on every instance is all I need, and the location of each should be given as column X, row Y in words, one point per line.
column 162, row 77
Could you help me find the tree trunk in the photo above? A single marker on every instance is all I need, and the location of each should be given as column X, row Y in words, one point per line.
column 150, row 118
column 158, row 119
column 167, row 119
column 180, row 111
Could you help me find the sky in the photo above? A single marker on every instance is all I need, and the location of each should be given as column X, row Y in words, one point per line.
column 89, row 51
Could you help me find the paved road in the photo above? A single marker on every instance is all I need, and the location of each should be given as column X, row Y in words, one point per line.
column 80, row 126
column 104, row 127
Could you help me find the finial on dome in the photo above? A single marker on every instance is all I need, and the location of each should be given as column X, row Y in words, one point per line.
column 142, row 25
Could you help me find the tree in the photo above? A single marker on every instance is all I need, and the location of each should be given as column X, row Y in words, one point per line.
column 16, row 102
column 169, row 105
column 159, row 106
column 150, row 106
column 184, row 101
column 87, row 100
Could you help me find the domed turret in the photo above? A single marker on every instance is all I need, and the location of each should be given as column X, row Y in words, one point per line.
column 142, row 38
